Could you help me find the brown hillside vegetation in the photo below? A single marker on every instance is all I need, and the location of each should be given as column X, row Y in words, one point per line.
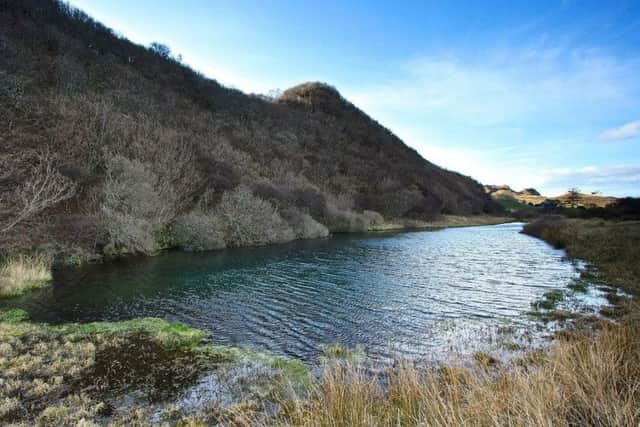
column 110, row 147
column 531, row 196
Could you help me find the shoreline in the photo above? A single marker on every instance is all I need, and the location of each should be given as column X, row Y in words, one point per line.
column 178, row 347
column 20, row 274
column 443, row 222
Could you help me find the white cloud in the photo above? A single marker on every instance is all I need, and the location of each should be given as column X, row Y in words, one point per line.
column 629, row 130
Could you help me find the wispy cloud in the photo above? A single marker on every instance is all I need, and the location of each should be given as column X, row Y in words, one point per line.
column 545, row 102
column 629, row 130
column 507, row 84
column 592, row 178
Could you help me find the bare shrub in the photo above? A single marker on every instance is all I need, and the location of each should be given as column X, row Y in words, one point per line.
column 198, row 231
column 249, row 221
column 373, row 218
column 303, row 225
column 343, row 221
column 134, row 208
column 40, row 187
column 339, row 217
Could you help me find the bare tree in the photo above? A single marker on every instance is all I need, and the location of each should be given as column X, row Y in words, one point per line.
column 573, row 196
column 161, row 49
column 42, row 187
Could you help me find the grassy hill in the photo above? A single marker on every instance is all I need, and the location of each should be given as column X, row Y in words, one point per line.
column 511, row 199
column 112, row 147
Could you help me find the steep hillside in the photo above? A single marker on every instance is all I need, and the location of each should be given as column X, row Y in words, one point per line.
column 111, row 147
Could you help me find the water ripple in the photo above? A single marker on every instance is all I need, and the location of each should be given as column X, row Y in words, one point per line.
column 394, row 293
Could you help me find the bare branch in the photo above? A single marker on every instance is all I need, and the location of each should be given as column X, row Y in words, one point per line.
column 43, row 187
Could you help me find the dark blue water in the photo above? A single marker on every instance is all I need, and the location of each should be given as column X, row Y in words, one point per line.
column 398, row 293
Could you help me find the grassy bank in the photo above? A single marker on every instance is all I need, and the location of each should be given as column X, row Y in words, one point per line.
column 444, row 221
column 130, row 373
column 20, row 274
column 613, row 247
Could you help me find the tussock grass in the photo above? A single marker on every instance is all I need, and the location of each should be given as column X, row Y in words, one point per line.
column 581, row 381
column 20, row 274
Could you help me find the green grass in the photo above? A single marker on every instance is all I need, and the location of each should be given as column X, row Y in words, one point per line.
column 169, row 335
column 578, row 286
column 549, row 300
column 509, row 203
column 13, row 316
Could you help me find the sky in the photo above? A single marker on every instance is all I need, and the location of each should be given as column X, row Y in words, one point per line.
column 542, row 94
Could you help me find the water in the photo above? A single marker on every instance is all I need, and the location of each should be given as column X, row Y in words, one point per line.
column 406, row 294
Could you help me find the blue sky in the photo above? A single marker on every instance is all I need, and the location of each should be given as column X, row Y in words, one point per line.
column 542, row 94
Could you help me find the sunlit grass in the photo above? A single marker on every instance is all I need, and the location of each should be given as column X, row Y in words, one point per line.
column 581, row 381
column 20, row 274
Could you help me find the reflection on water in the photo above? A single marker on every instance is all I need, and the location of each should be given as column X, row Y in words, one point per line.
column 393, row 293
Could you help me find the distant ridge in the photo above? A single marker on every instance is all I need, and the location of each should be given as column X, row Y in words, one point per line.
column 531, row 196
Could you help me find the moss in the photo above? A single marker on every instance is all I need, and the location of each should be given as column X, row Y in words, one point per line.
column 579, row 286
column 165, row 239
column 549, row 300
column 167, row 334
column 61, row 374
column 293, row 372
column 13, row 316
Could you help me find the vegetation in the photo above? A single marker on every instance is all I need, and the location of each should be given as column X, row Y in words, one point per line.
column 581, row 381
column 509, row 203
column 589, row 377
column 19, row 274
column 122, row 373
column 612, row 246
column 111, row 148
column 549, row 300
column 573, row 198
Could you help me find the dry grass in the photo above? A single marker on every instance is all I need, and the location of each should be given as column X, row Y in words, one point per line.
column 443, row 221
column 20, row 274
column 584, row 200
column 582, row 381
column 587, row 378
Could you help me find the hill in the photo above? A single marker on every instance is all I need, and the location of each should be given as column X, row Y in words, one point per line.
column 108, row 147
column 511, row 199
